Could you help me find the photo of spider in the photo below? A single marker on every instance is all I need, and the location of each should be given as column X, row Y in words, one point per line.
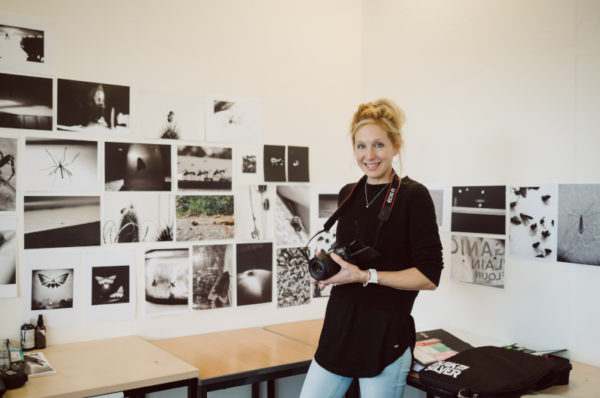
column 233, row 120
column 59, row 165
column 579, row 223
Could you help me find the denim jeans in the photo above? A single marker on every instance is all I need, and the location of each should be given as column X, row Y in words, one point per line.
column 390, row 383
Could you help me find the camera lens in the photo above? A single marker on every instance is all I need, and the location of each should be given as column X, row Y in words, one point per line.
column 322, row 267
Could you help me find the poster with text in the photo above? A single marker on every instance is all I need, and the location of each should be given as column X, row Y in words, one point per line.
column 478, row 260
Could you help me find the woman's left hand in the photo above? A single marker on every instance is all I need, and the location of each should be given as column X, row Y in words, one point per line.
column 348, row 273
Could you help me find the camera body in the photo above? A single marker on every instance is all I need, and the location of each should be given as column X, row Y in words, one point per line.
column 323, row 267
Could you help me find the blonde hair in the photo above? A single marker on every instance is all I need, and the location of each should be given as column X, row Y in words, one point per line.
column 384, row 113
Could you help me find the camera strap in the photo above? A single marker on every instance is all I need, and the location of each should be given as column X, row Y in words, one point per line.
column 386, row 206
column 383, row 215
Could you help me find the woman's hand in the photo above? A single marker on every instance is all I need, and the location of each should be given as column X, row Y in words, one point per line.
column 348, row 273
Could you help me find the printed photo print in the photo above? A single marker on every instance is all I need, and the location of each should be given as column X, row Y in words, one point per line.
column 293, row 284
column 204, row 168
column 61, row 221
column 168, row 116
column 274, row 163
column 8, row 256
column 579, row 223
column 249, row 163
column 204, row 217
column 92, row 107
column 21, row 45
column 8, row 174
column 166, row 281
column 110, row 284
column 25, row 45
column 25, row 102
column 297, row 164
column 254, row 273
column 254, row 212
column 532, row 230
column 292, row 215
column 137, row 217
column 212, row 276
column 56, row 165
column 478, row 260
column 479, row 209
column 51, row 289
column 233, row 120
column 137, row 167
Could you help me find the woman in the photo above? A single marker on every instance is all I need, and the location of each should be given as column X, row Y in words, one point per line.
column 368, row 331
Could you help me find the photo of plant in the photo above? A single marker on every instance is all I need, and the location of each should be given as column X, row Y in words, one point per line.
column 204, row 217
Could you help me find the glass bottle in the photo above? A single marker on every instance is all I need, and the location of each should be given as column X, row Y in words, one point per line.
column 40, row 333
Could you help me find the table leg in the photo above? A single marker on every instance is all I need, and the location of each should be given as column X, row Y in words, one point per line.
column 193, row 388
column 270, row 388
column 202, row 392
column 255, row 390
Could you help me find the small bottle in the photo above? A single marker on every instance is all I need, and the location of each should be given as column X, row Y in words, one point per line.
column 40, row 333
column 27, row 336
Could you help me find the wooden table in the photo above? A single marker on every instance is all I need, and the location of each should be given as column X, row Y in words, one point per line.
column 307, row 332
column 239, row 357
column 129, row 364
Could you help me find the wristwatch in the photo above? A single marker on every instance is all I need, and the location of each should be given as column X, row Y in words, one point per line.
column 372, row 277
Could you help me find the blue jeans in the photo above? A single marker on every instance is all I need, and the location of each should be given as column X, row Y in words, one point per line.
column 390, row 383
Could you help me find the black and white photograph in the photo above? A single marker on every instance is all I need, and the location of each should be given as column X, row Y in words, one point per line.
column 234, row 120
column 479, row 209
column 204, row 217
column 292, row 215
column 533, row 211
column 166, row 281
column 137, row 217
column 212, row 276
column 36, row 364
column 8, row 174
column 204, row 168
column 25, row 102
column 478, row 260
column 137, row 167
column 90, row 107
column 110, row 284
column 327, row 204
column 25, row 44
column 274, row 163
column 57, row 165
column 249, row 163
column 293, row 284
column 168, row 115
column 254, row 212
column 297, row 162
column 254, row 273
column 579, row 223
column 8, row 256
column 52, row 288
column 61, row 221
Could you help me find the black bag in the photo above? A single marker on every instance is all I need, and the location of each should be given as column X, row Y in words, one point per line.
column 493, row 372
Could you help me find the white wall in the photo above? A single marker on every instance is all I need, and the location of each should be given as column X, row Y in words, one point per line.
column 300, row 59
column 503, row 91
column 498, row 92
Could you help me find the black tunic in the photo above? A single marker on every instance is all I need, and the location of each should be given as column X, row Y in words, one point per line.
column 367, row 328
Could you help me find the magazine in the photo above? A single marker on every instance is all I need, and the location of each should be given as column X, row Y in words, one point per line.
column 36, row 364
column 436, row 345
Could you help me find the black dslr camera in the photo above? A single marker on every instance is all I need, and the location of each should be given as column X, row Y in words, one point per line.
column 322, row 265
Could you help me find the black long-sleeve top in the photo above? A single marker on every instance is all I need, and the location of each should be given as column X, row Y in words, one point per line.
column 367, row 328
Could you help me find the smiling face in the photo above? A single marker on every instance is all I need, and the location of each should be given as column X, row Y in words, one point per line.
column 374, row 152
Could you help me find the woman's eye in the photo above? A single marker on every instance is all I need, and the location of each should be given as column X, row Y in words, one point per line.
column 360, row 146
column 379, row 145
